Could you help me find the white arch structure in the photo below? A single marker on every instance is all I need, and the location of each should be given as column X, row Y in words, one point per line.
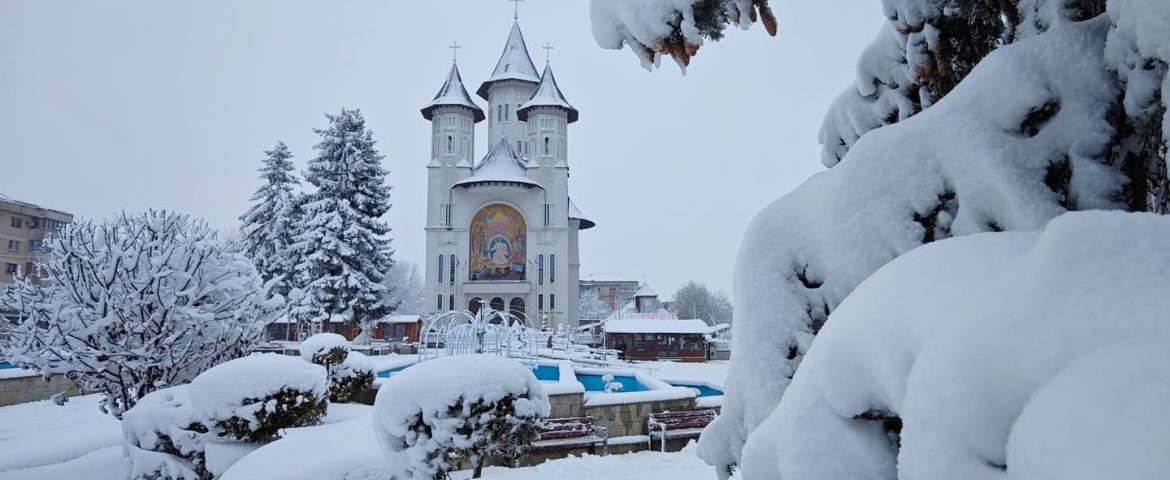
column 488, row 331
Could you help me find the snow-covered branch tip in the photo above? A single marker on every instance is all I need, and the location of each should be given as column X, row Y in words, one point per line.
column 676, row 28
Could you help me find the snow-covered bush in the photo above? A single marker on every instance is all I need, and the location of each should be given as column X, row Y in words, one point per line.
column 352, row 377
column 134, row 304
column 1005, row 355
column 435, row 414
column 164, row 438
column 350, row 373
column 253, row 398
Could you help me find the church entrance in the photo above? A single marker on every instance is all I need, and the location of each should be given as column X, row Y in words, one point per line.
column 516, row 308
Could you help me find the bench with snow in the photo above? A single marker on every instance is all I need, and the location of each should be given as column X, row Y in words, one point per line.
column 570, row 433
column 673, row 425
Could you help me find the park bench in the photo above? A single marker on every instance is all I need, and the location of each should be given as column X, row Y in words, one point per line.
column 572, row 432
column 672, row 425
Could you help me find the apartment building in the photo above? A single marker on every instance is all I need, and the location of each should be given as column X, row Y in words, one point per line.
column 23, row 229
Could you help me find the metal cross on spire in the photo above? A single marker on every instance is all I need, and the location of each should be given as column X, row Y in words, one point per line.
column 455, row 51
column 548, row 48
column 516, row 9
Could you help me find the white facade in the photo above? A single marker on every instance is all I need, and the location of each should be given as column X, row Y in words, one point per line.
column 503, row 230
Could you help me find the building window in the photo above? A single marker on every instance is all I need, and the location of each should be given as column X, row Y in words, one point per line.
column 518, row 150
column 449, row 147
column 498, row 304
column 540, row 302
column 540, row 269
column 451, row 302
column 438, row 302
column 499, row 113
column 11, row 268
column 507, row 112
column 451, row 278
column 552, row 269
column 547, row 214
column 15, row 222
column 14, row 245
column 441, row 269
column 526, row 148
column 474, row 305
column 552, row 301
column 36, row 245
column 546, row 145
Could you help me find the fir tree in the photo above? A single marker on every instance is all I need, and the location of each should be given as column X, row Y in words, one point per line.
column 270, row 224
column 344, row 247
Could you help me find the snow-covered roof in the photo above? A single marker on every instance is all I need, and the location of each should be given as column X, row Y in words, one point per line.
column 547, row 94
column 400, row 319
column 514, row 63
column 641, row 325
column 646, row 291
column 606, row 277
column 575, row 212
column 453, row 93
column 501, row 164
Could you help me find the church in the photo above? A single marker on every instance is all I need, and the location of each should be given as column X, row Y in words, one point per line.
column 502, row 230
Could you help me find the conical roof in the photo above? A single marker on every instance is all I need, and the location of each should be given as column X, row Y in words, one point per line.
column 514, row 63
column 547, row 94
column 452, row 93
column 501, row 164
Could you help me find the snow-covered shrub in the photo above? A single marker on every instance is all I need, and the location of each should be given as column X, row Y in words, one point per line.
column 164, row 437
column 610, row 385
column 1003, row 355
column 350, row 373
column 253, row 398
column 435, row 414
column 136, row 303
column 352, row 377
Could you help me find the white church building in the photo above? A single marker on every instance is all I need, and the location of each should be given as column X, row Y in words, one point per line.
column 501, row 228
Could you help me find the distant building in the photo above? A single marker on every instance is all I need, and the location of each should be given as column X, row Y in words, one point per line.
column 393, row 328
column 643, row 330
column 23, row 229
column 614, row 290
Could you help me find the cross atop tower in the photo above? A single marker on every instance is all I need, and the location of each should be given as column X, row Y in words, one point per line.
column 548, row 48
column 455, row 51
column 516, row 9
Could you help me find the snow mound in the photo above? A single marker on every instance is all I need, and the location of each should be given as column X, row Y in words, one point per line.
column 232, row 389
column 1014, row 145
column 164, row 436
column 356, row 457
column 443, row 397
column 999, row 356
column 322, row 343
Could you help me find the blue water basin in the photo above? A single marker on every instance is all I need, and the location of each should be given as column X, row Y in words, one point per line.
column 392, row 371
column 6, row 365
column 547, row 373
column 594, row 383
column 704, row 390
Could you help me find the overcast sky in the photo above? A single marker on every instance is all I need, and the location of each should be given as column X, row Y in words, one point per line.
column 118, row 105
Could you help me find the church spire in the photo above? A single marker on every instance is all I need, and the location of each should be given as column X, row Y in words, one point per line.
column 547, row 94
column 514, row 63
column 453, row 94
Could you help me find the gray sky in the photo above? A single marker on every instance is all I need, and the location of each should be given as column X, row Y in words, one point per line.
column 119, row 105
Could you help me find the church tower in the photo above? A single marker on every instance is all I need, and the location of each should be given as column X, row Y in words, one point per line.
column 502, row 232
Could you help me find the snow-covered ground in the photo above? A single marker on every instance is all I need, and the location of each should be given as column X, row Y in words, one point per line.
column 41, row 440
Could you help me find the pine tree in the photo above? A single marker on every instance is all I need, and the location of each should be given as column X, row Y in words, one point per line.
column 270, row 224
column 344, row 247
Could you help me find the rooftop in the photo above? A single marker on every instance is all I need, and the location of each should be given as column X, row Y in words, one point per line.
column 640, row 325
column 514, row 63
column 501, row 164
column 453, row 94
column 547, row 94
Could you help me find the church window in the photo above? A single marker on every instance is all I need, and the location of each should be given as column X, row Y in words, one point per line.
column 499, row 113
column 516, row 307
column 526, row 148
column 547, row 214
column 552, row 301
column 438, row 302
column 552, row 269
column 507, row 112
column 498, row 304
column 451, row 302
column 507, row 66
column 518, row 150
column 440, row 269
column 540, row 302
column 451, row 277
column 546, row 145
column 474, row 305
column 449, row 148
column 540, row 269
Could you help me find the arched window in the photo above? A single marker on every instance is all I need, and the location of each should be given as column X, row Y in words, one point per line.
column 474, row 305
column 440, row 269
column 449, row 146
column 540, row 269
column 497, row 304
column 507, row 112
column 518, row 150
column 552, row 269
column 499, row 113
column 516, row 307
column 546, row 145
column 451, row 278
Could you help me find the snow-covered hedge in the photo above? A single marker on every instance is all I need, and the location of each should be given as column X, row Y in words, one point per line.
column 164, row 437
column 253, row 398
column 434, row 414
column 1003, row 355
column 350, row 373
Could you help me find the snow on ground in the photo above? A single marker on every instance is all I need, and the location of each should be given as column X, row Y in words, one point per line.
column 40, row 438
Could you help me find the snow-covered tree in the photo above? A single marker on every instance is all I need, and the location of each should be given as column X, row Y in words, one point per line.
column 695, row 300
column 433, row 415
column 343, row 244
column 965, row 117
column 407, row 293
column 269, row 225
column 592, row 307
column 134, row 304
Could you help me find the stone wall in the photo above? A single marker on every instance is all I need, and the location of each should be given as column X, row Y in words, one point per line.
column 31, row 389
column 566, row 405
column 630, row 418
